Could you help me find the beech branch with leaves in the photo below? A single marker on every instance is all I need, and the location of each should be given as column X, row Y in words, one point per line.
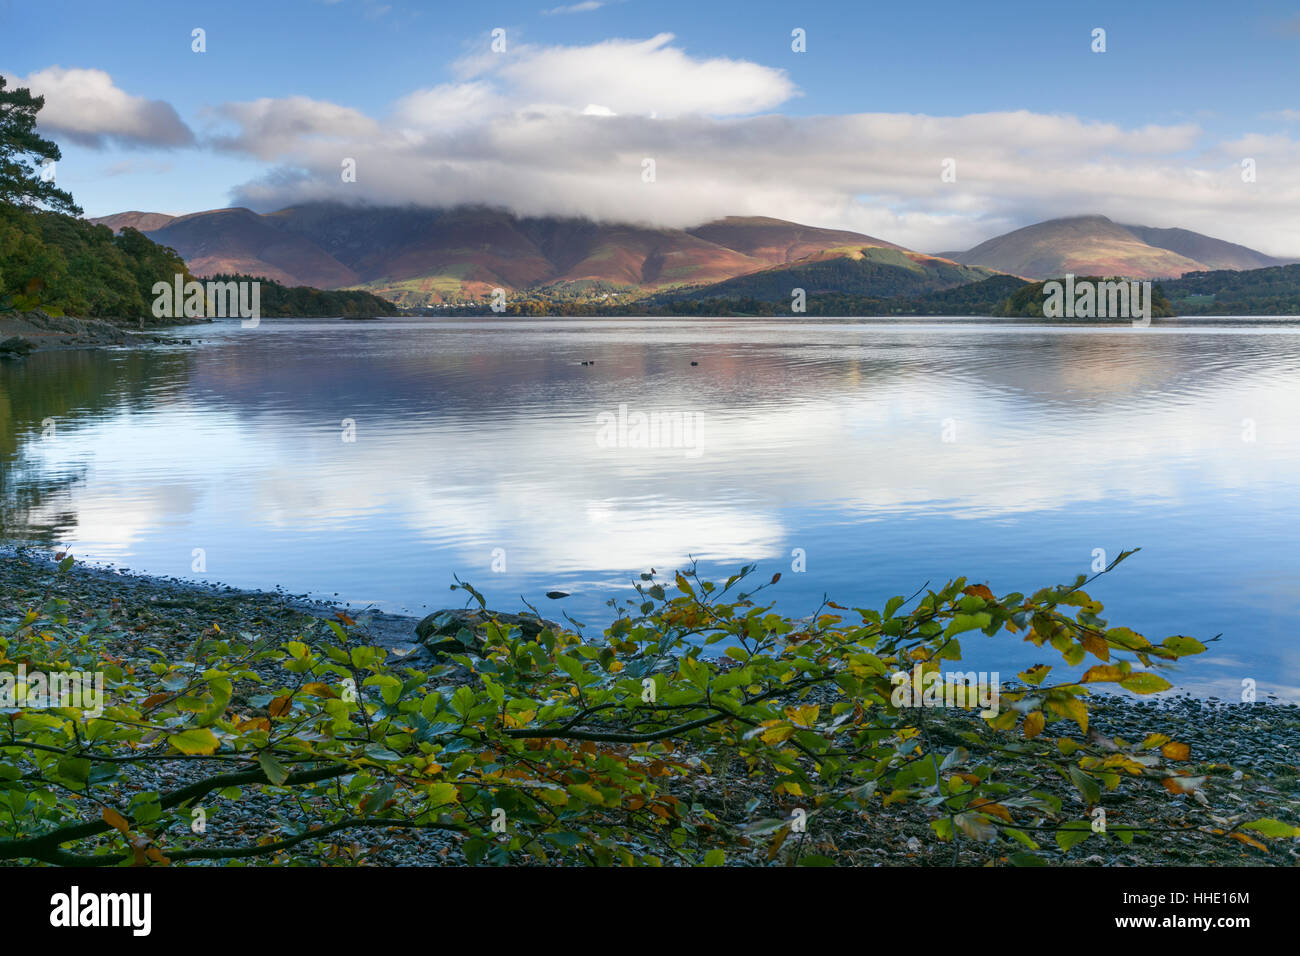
column 545, row 746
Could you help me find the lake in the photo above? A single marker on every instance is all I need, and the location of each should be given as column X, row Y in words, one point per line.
column 374, row 460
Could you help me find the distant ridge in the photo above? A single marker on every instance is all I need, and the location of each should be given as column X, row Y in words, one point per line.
column 1094, row 245
column 143, row 221
column 417, row 256
column 1213, row 253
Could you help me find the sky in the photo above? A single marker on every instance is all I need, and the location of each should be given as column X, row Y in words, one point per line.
column 934, row 125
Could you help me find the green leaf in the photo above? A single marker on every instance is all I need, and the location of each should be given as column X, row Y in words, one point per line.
column 443, row 793
column 1127, row 638
column 1270, row 827
column 1026, row 859
column 961, row 623
column 1088, row 787
column 1183, row 645
column 221, row 689
column 273, row 769
column 196, row 741
column 1020, row 836
column 1074, row 832
column 74, row 771
column 1145, row 682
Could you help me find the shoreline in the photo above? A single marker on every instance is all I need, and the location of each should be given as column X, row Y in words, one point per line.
column 25, row 333
column 392, row 631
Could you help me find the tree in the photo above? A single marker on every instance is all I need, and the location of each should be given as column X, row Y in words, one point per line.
column 22, row 150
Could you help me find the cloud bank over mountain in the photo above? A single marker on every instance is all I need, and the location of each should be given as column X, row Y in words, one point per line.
column 568, row 130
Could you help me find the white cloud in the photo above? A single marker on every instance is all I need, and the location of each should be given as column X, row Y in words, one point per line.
column 585, row 7
column 446, row 106
column 271, row 128
column 86, row 107
column 637, row 76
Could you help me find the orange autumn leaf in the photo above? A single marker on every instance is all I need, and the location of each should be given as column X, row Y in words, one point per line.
column 1182, row 784
column 1248, row 840
column 1095, row 645
column 996, row 809
column 1176, row 751
column 115, row 820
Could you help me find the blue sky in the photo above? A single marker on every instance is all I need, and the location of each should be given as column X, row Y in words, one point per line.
column 1228, row 70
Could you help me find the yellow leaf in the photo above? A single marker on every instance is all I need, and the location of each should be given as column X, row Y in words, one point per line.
column 1077, row 711
column 1034, row 724
column 777, row 840
column 1035, row 674
column 587, row 792
column 316, row 689
column 1122, row 762
column 1102, row 672
column 803, row 716
column 521, row 718
column 774, row 735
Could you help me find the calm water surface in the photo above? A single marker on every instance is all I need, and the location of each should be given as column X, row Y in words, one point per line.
column 891, row 453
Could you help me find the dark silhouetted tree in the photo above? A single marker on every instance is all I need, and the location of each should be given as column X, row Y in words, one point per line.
column 23, row 151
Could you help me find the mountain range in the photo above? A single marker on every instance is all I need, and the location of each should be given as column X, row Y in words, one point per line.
column 418, row 256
